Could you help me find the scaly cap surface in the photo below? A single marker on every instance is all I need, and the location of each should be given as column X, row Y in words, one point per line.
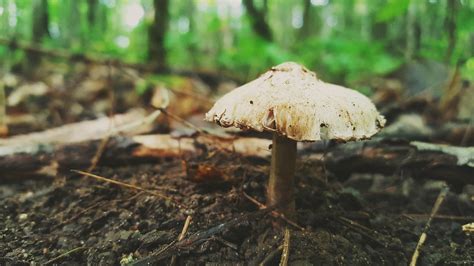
column 291, row 100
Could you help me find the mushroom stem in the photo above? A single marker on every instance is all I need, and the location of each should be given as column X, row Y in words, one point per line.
column 282, row 173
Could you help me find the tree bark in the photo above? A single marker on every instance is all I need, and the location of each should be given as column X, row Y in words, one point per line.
column 40, row 20
column 450, row 28
column 258, row 20
column 311, row 21
column 40, row 23
column 92, row 6
column 157, row 34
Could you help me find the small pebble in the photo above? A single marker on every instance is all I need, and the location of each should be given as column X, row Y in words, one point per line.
column 22, row 217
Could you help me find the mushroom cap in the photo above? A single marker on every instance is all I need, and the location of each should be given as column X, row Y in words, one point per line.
column 290, row 100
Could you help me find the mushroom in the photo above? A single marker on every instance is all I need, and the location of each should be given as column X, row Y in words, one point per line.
column 290, row 101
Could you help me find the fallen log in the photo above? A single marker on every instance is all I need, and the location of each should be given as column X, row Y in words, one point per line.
column 418, row 160
column 48, row 159
column 128, row 123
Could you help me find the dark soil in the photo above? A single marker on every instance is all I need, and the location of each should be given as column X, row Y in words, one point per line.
column 360, row 221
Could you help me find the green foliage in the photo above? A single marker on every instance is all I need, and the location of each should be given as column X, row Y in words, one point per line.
column 341, row 40
column 347, row 59
column 252, row 55
column 393, row 9
column 467, row 69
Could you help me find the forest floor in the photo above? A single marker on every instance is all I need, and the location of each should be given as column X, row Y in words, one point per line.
column 366, row 219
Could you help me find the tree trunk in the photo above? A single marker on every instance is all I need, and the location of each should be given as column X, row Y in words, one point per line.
column 410, row 31
column 257, row 19
column 311, row 21
column 92, row 6
column 157, row 33
column 69, row 24
column 40, row 20
column 40, row 30
column 450, row 28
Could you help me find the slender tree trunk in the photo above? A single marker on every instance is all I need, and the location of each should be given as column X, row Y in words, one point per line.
column 92, row 6
column 69, row 24
column 40, row 20
column 40, row 23
column 258, row 19
column 450, row 28
column 192, row 46
column 157, row 33
column 410, row 31
column 311, row 20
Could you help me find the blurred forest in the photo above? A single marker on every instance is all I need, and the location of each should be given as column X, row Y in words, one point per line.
column 348, row 41
column 105, row 155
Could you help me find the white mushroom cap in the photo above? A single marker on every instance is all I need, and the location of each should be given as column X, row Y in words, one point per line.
column 291, row 100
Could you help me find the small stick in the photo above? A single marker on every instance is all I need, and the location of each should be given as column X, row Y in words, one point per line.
column 439, row 200
column 108, row 180
column 181, row 236
column 362, row 230
column 225, row 242
column 183, row 121
column 3, row 112
column 285, row 254
column 53, row 260
column 192, row 95
column 98, row 154
column 271, row 255
column 274, row 213
column 439, row 217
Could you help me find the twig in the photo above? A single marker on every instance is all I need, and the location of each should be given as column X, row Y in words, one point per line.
column 225, row 242
column 368, row 233
column 181, row 236
column 183, row 121
column 3, row 112
column 439, row 217
column 95, row 160
column 274, row 213
column 285, row 254
column 108, row 180
column 51, row 261
column 192, row 95
column 271, row 255
column 198, row 238
column 105, row 140
column 439, row 200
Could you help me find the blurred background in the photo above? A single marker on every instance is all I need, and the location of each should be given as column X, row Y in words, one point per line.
column 388, row 49
column 346, row 41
